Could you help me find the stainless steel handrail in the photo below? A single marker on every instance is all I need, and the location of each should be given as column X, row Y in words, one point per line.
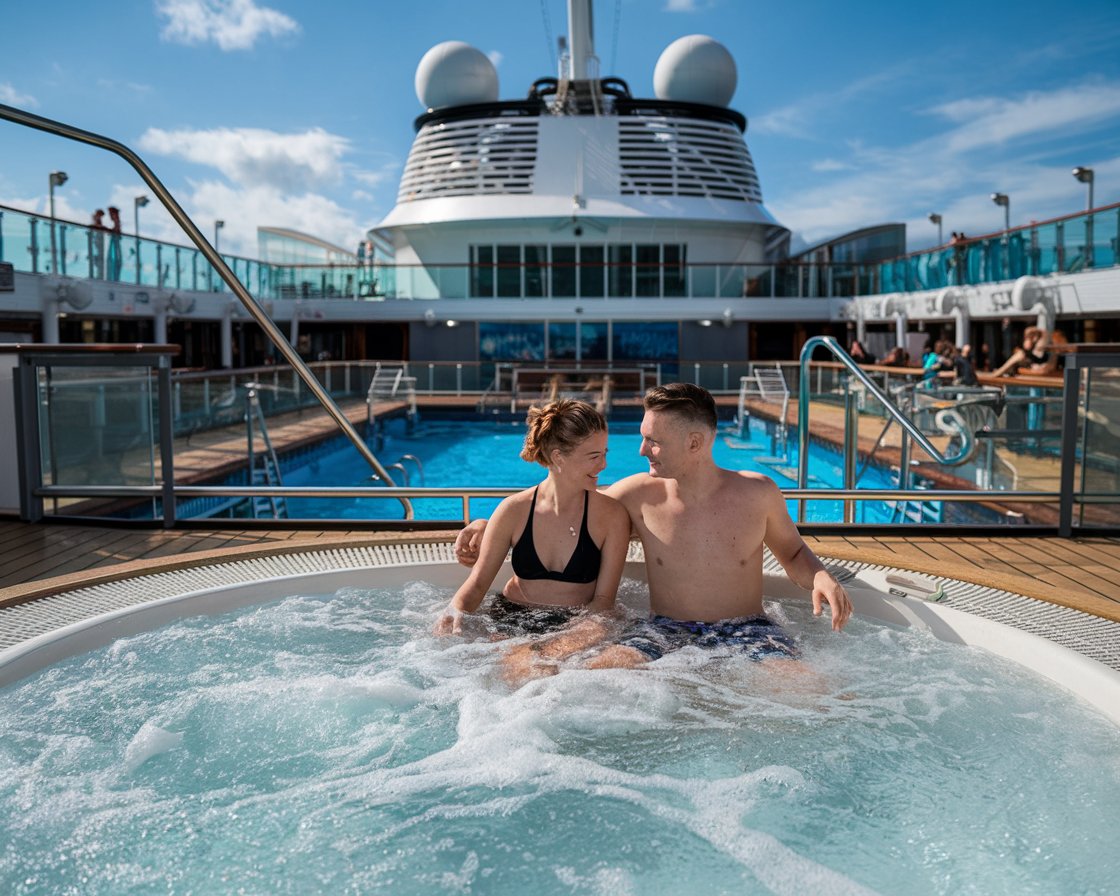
column 18, row 116
column 465, row 495
column 845, row 359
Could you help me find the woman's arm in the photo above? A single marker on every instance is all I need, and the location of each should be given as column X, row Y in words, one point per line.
column 496, row 541
column 1008, row 366
column 612, row 554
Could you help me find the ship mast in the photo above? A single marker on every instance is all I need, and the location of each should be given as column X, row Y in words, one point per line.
column 581, row 40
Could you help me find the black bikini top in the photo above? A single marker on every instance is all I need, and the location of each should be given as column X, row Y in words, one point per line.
column 583, row 567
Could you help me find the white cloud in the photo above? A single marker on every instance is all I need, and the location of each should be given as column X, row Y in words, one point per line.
column 231, row 24
column 989, row 144
column 788, row 122
column 988, row 121
column 681, row 6
column 831, row 165
column 12, row 97
column 244, row 209
column 495, row 57
column 256, row 157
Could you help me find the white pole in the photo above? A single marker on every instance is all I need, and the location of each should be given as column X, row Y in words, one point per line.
column 580, row 37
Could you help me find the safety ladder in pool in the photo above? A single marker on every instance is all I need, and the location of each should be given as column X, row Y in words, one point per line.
column 769, row 385
column 264, row 468
column 389, row 383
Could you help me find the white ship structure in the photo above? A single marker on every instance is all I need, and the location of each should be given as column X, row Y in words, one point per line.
column 578, row 223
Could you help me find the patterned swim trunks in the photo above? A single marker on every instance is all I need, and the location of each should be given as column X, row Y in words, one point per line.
column 755, row 636
column 520, row 619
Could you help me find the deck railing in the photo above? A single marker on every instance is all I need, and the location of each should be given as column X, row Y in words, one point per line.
column 98, row 437
column 1068, row 244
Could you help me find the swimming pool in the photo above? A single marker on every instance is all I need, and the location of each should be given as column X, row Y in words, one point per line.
column 483, row 453
column 324, row 742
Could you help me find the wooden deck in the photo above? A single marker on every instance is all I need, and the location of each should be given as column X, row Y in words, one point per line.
column 41, row 559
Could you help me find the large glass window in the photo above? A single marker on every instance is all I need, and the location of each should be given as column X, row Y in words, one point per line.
column 593, row 340
column 535, row 258
column 649, row 271
column 645, row 341
column 674, row 274
column 509, row 272
column 591, row 272
column 482, row 271
column 563, row 271
column 561, row 342
column 510, row 341
column 621, row 272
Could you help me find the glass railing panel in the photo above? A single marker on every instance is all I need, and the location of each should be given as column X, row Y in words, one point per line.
column 1106, row 238
column 98, row 426
column 1098, row 475
column 703, row 278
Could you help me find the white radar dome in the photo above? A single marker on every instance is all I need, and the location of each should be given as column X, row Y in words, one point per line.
column 695, row 69
column 454, row 74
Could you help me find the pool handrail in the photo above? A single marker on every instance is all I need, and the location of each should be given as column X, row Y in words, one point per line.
column 279, row 341
column 908, row 427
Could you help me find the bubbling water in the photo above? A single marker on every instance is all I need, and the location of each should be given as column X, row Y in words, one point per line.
column 330, row 744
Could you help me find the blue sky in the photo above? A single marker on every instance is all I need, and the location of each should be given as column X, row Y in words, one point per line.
column 299, row 114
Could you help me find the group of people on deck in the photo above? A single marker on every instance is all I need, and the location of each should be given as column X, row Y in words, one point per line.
column 702, row 528
column 1035, row 356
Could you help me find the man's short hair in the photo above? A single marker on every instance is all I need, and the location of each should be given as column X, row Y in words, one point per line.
column 692, row 404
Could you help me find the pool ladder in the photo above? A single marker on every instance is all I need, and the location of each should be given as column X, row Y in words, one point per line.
column 264, row 468
column 399, row 465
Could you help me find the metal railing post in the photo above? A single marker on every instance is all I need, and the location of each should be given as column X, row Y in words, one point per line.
column 1071, row 377
column 851, row 454
column 166, row 442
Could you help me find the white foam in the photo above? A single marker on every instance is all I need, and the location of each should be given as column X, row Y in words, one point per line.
column 151, row 740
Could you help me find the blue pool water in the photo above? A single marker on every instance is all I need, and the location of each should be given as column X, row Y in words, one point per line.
column 484, row 454
column 329, row 744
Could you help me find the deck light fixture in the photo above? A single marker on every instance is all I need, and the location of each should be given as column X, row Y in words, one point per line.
column 1004, row 200
column 1085, row 175
column 138, row 203
column 57, row 179
column 935, row 218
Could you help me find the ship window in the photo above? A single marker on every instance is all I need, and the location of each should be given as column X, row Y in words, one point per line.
column 591, row 272
column 507, row 341
column 649, row 270
column 535, row 258
column 561, row 342
column 647, row 341
column 620, row 273
column 591, row 345
column 563, row 271
column 593, row 338
column 482, row 271
column 509, row 272
column 674, row 272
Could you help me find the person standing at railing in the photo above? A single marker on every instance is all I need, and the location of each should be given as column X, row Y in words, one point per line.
column 97, row 244
column 114, row 256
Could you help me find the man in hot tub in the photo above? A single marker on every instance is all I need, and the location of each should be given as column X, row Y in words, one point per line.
column 703, row 529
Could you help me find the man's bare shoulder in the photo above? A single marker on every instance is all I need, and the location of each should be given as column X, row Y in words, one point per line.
column 755, row 484
column 630, row 486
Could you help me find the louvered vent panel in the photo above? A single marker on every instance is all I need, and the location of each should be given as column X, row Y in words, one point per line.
column 469, row 158
column 685, row 157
